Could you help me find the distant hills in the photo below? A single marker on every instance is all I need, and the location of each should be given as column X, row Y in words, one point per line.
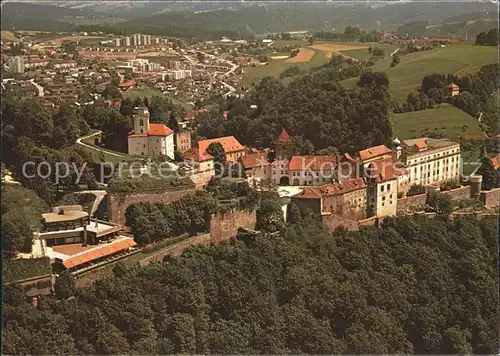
column 256, row 17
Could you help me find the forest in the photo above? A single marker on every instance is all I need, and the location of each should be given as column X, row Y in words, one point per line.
column 416, row 285
column 316, row 111
column 476, row 92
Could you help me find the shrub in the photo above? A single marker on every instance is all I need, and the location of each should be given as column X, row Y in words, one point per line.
column 416, row 189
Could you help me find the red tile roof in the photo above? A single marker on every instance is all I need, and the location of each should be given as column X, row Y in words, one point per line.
column 314, row 163
column 309, row 193
column 127, row 84
column 453, row 86
column 283, row 137
column 193, row 154
column 344, row 186
column 383, row 169
column 154, row 130
column 229, row 143
column 373, row 152
column 420, row 145
column 225, row 115
column 495, row 161
column 159, row 130
column 191, row 114
column 254, row 160
column 100, row 251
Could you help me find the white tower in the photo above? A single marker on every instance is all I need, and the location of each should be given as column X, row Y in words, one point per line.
column 141, row 120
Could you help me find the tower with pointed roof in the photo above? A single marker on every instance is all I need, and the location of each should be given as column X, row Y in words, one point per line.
column 283, row 146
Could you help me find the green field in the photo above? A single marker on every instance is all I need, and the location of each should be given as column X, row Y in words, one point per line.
column 407, row 76
column 363, row 55
column 277, row 66
column 445, row 120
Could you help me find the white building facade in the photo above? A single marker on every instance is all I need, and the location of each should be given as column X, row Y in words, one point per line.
column 150, row 139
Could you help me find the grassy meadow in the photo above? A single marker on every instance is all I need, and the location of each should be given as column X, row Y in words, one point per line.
column 407, row 76
column 446, row 120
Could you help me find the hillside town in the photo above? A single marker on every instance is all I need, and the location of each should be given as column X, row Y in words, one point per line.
column 160, row 193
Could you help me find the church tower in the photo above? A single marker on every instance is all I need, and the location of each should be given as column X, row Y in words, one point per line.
column 284, row 147
column 141, row 120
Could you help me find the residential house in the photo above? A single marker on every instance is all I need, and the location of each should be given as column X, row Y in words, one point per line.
column 453, row 89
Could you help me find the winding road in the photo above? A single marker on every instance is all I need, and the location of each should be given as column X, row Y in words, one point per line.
column 79, row 142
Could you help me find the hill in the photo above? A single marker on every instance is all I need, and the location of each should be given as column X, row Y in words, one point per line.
column 415, row 285
column 243, row 19
column 446, row 120
column 408, row 74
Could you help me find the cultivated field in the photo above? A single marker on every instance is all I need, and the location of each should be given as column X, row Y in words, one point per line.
column 304, row 55
column 445, row 120
column 408, row 74
column 277, row 66
column 8, row 36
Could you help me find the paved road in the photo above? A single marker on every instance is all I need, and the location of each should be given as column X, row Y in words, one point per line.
column 99, row 194
column 396, row 51
column 79, row 142
column 233, row 68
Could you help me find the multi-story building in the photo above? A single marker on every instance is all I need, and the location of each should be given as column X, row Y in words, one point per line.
column 175, row 65
column 149, row 139
column 137, row 39
column 127, row 41
column 346, row 199
column 16, row 64
column 429, row 161
column 183, row 140
column 181, row 74
column 311, row 170
column 72, row 241
column 232, row 148
column 382, row 187
column 34, row 63
column 63, row 63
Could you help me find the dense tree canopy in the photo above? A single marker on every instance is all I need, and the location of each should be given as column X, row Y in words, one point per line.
column 423, row 286
column 313, row 109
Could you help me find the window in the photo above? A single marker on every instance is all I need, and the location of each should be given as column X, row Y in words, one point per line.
column 389, row 186
column 383, row 204
column 383, row 198
column 390, row 196
column 141, row 122
column 381, row 188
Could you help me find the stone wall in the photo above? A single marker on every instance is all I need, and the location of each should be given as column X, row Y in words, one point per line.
column 225, row 226
column 312, row 204
column 118, row 203
column 490, row 197
column 176, row 249
column 459, row 193
column 410, row 204
column 332, row 221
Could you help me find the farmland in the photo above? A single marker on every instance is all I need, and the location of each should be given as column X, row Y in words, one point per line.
column 445, row 120
column 305, row 55
column 460, row 59
column 277, row 66
column 8, row 36
column 309, row 57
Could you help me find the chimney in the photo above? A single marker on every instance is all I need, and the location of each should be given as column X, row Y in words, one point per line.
column 84, row 235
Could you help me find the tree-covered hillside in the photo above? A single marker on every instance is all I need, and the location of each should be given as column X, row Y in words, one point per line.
column 427, row 286
column 314, row 109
